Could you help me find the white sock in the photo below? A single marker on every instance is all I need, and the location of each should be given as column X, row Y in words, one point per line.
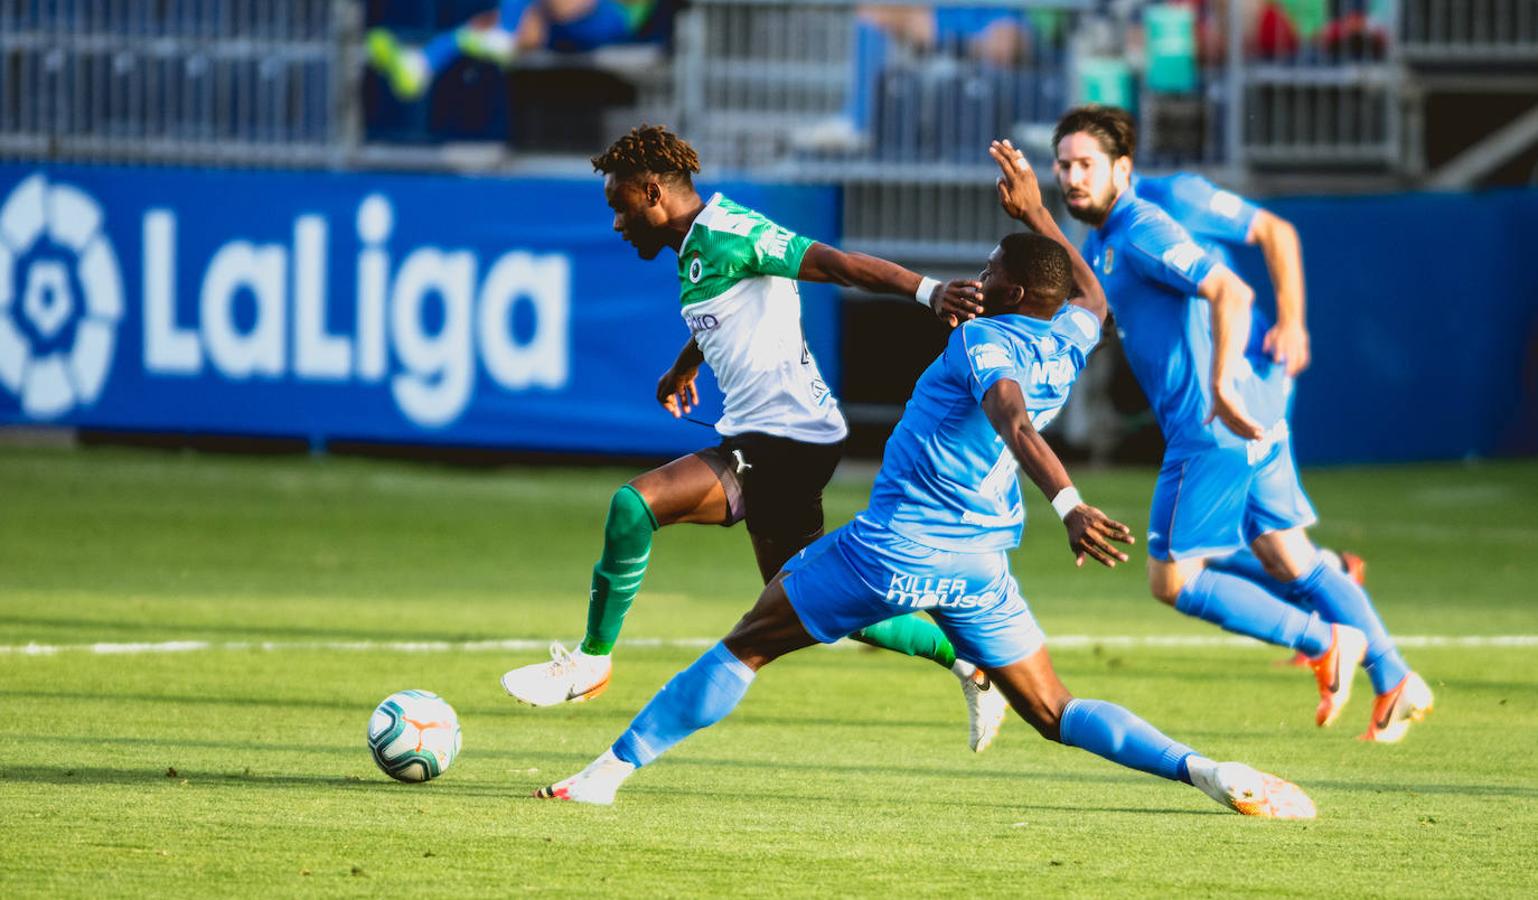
column 963, row 669
column 608, row 769
column 1199, row 766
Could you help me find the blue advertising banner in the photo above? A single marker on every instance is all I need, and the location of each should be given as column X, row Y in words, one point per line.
column 412, row 309
column 1423, row 317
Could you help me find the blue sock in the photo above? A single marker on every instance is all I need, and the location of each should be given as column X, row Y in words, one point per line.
column 1339, row 599
column 1247, row 565
column 697, row 697
column 441, row 51
column 1108, row 730
column 1242, row 607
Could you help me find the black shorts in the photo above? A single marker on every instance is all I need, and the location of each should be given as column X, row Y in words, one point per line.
column 774, row 483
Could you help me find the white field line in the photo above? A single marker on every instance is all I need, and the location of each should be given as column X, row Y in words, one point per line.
column 526, row 645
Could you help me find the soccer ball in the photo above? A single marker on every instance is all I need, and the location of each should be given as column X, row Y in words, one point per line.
column 414, row 735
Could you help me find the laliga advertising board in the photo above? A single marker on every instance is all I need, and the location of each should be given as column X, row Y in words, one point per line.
column 411, row 309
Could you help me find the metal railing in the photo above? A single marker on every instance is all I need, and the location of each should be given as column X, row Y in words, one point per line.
column 232, row 82
column 1482, row 32
column 811, row 90
column 822, row 90
column 1333, row 99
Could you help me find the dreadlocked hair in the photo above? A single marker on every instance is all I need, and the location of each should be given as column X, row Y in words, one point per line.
column 649, row 149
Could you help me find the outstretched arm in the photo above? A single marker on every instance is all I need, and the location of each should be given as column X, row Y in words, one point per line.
column 1020, row 195
column 1230, row 299
column 955, row 302
column 1090, row 531
column 1278, row 239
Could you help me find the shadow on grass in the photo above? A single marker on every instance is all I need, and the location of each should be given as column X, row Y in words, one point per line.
column 942, row 802
column 514, row 788
column 277, row 702
column 97, row 776
column 500, row 710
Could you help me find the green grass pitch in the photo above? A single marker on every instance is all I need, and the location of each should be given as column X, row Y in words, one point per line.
column 235, row 768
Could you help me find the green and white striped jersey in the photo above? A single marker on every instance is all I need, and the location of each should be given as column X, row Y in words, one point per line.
column 736, row 274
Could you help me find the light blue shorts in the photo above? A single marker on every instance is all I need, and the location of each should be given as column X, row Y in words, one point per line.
column 1216, row 501
column 862, row 574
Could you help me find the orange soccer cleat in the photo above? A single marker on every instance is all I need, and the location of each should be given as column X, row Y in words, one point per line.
column 1408, row 701
column 1335, row 669
column 1355, row 566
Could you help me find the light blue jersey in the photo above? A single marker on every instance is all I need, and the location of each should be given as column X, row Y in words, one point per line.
column 1151, row 270
column 947, row 479
column 1218, row 219
column 946, row 504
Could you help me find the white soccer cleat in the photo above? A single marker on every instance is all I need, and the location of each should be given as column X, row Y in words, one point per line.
column 1249, row 791
column 1408, row 701
column 597, row 784
column 567, row 678
column 986, row 707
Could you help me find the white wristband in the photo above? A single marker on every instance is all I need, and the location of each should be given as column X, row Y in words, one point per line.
column 926, row 289
column 1065, row 501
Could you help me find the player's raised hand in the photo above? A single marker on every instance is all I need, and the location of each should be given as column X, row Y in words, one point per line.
column 1090, row 533
column 1229, row 409
column 1288, row 343
column 957, row 301
column 678, row 393
column 1019, row 193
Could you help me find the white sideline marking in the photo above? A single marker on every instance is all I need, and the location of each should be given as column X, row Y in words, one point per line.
column 525, row 645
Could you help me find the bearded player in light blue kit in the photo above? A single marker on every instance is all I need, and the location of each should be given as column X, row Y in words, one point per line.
column 1228, row 479
column 1220, row 221
column 944, row 510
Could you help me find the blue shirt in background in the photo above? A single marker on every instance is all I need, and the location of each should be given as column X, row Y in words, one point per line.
column 1218, row 219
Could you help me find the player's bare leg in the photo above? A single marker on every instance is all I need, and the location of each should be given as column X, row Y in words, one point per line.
column 1112, row 732
column 772, row 553
column 1402, row 696
column 688, row 489
column 695, row 698
column 911, row 635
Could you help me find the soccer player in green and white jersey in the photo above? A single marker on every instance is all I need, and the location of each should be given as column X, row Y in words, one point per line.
column 782, row 430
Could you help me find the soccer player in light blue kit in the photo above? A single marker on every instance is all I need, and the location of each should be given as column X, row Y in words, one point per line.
column 1228, row 477
column 1219, row 220
column 945, row 509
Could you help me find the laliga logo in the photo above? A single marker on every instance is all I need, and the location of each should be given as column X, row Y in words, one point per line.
column 61, row 297
column 434, row 370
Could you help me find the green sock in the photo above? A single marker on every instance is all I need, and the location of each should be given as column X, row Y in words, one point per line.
column 627, row 545
column 911, row 635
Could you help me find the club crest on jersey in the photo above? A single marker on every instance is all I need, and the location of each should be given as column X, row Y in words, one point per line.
column 696, row 270
column 1110, row 259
